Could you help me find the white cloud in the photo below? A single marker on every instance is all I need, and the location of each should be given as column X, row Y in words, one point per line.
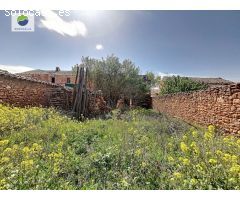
column 52, row 21
column 162, row 74
column 99, row 47
column 15, row 69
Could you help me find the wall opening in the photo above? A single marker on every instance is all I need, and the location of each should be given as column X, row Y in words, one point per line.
column 53, row 79
column 68, row 80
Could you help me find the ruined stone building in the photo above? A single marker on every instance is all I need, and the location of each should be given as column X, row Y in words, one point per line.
column 212, row 82
column 56, row 76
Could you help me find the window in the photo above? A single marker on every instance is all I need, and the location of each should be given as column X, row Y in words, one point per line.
column 68, row 80
column 53, row 79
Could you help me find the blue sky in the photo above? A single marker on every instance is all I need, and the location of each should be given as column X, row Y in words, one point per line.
column 189, row 43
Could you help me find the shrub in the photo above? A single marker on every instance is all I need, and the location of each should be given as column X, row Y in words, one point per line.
column 177, row 84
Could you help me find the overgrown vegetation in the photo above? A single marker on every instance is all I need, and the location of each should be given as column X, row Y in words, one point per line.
column 115, row 79
column 140, row 149
column 175, row 84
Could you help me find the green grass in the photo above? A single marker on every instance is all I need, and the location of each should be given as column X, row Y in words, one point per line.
column 139, row 149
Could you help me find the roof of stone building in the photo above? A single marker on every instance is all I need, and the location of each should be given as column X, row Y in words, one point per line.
column 39, row 71
column 214, row 81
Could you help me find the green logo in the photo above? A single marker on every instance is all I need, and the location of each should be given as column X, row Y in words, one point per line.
column 22, row 20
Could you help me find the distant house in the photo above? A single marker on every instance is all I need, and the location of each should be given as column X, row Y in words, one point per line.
column 3, row 71
column 53, row 76
column 212, row 82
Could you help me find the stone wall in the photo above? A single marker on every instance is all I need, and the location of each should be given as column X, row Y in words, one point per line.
column 22, row 91
column 97, row 105
column 219, row 106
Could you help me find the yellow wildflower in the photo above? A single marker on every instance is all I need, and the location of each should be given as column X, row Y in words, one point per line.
column 36, row 147
column 170, row 159
column 199, row 168
column 186, row 161
column 193, row 144
column 185, row 182
column 15, row 147
column 138, row 152
column 27, row 164
column 219, row 152
column 3, row 184
column 180, row 158
column 3, row 142
column 238, row 142
column 194, row 133
column 5, row 160
column 177, row 175
column 234, row 159
column 212, row 161
column 195, row 147
column 193, row 181
column 170, row 145
column 60, row 145
column 184, row 137
column 56, row 168
column 227, row 157
column 8, row 152
column 211, row 129
column 184, row 147
column 226, row 140
column 235, row 169
column 143, row 164
column 125, row 183
column 208, row 135
column 26, row 150
column 208, row 153
column 232, row 180
column 55, row 155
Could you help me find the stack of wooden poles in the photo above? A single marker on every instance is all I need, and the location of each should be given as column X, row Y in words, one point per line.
column 81, row 94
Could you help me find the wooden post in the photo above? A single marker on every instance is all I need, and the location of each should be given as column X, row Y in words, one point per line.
column 80, row 106
column 130, row 103
column 84, row 92
column 81, row 81
column 75, row 90
column 75, row 107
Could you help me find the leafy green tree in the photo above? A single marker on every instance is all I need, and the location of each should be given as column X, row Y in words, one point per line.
column 177, row 84
column 153, row 80
column 114, row 78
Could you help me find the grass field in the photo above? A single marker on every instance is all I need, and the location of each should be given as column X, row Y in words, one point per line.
column 139, row 149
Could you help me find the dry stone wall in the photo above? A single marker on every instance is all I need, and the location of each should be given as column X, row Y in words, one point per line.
column 219, row 106
column 22, row 91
